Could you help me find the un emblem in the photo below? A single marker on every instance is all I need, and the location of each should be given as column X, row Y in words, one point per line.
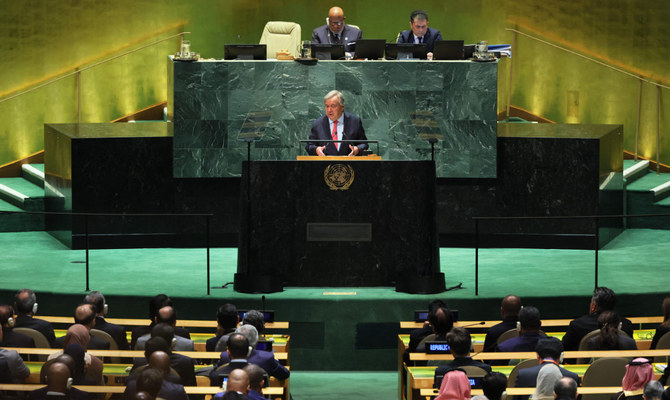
column 338, row 176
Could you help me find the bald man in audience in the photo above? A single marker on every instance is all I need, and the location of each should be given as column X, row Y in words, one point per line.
column 150, row 381
column 11, row 338
column 509, row 311
column 237, row 386
column 565, row 389
column 160, row 361
column 183, row 365
column 85, row 315
column 168, row 315
column 25, row 305
column 441, row 321
column 59, row 385
column 117, row 332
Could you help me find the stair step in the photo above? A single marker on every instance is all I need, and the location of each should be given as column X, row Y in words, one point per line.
column 34, row 173
column 22, row 193
column 663, row 203
column 635, row 170
column 648, row 182
column 19, row 222
column 661, row 191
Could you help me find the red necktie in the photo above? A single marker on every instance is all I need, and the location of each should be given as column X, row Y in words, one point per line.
column 337, row 145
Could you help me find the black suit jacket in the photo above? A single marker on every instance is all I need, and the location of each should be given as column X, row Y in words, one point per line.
column 14, row 339
column 183, row 365
column 495, row 331
column 353, row 130
column 581, row 326
column 117, row 332
column 348, row 35
column 429, row 38
column 143, row 330
column 457, row 363
column 527, row 377
column 27, row 321
column 74, row 394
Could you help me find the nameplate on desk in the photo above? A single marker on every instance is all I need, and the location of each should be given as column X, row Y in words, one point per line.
column 339, row 232
column 437, row 347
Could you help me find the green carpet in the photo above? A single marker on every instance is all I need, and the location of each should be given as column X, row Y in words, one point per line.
column 337, row 385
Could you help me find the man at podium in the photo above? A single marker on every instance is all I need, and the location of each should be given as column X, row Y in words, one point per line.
column 336, row 125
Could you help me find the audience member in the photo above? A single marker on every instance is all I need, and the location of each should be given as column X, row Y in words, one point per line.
column 665, row 326
column 549, row 351
column 150, row 381
column 263, row 359
column 85, row 315
column 441, row 321
column 459, row 341
column 565, row 389
column 25, row 305
column 59, row 385
column 79, row 335
column 155, row 344
column 256, row 381
column 83, row 372
column 14, row 368
column 226, row 323
column 509, row 311
column 529, row 332
column 160, row 361
column 419, row 32
column 336, row 31
column 603, row 299
column 184, row 365
column 455, row 386
column 609, row 337
column 9, row 337
column 238, row 350
column 117, row 332
column 237, row 387
column 653, row 390
column 494, row 385
column 167, row 315
column 546, row 380
column 156, row 303
column 639, row 372
column 255, row 318
column 417, row 335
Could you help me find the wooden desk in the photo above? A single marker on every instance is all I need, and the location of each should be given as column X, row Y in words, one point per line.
column 545, row 322
column 371, row 157
column 427, row 393
column 185, row 323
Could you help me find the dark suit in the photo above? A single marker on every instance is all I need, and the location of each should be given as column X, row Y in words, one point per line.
column 27, row 321
column 14, row 339
column 353, row 130
column 524, row 342
column 143, row 330
column 527, row 377
column 117, row 332
column 457, row 363
column 183, row 365
column 581, row 326
column 216, row 376
column 429, row 38
column 265, row 360
column 625, row 343
column 495, row 331
column 348, row 35
column 73, row 394
column 169, row 390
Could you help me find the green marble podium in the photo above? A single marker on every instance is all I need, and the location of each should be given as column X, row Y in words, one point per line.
column 402, row 104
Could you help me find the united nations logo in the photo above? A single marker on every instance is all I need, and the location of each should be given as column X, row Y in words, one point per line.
column 338, row 176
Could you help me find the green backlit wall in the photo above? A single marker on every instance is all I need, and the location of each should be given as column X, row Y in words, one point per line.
column 40, row 40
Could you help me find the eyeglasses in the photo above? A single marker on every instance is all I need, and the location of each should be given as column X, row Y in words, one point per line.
column 338, row 23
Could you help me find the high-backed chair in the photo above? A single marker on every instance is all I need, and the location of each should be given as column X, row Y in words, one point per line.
column 280, row 35
column 512, row 333
column 511, row 379
column 604, row 372
column 40, row 340
column 663, row 343
column 112, row 343
column 585, row 340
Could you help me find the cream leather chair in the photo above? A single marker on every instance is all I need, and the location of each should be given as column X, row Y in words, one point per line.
column 280, row 35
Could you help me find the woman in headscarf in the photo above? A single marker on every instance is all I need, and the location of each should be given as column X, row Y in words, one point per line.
column 546, row 379
column 639, row 372
column 455, row 386
column 76, row 342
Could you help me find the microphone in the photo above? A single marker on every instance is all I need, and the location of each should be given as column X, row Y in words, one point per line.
column 475, row 324
column 263, row 303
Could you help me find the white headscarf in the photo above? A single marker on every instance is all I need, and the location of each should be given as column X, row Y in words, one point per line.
column 546, row 379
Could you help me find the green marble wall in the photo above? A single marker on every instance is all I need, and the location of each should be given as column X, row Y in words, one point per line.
column 401, row 104
column 40, row 40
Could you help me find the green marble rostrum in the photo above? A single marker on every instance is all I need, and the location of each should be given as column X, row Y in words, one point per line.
column 215, row 104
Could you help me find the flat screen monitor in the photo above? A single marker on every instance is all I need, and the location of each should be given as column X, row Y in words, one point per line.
column 244, row 52
column 405, row 51
column 448, row 50
column 324, row 51
column 372, row 49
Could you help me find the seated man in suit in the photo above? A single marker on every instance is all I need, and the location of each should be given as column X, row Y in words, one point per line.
column 494, row 385
column 59, row 385
column 25, row 305
column 237, row 387
column 509, row 311
column 117, row 332
column 167, row 315
column 565, row 389
column 156, row 303
column 226, row 323
column 549, row 351
column 264, row 359
column 85, row 315
column 16, row 370
column 529, row 332
column 9, row 337
column 420, row 32
column 160, row 361
column 603, row 299
column 162, row 336
column 336, row 125
column 336, row 31
column 460, row 342
column 238, row 350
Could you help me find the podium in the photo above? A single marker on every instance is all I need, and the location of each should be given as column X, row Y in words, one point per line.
column 338, row 222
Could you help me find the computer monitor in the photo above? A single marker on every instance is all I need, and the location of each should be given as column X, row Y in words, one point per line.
column 244, row 51
column 325, row 51
column 372, row 49
column 448, row 50
column 405, row 51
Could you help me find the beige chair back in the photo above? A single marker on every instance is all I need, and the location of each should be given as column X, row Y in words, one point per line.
column 511, row 379
column 280, row 35
column 473, row 372
column 112, row 343
column 604, row 372
column 40, row 340
column 512, row 333
column 663, row 343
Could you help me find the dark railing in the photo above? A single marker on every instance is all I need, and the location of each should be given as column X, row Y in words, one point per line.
column 596, row 235
column 87, row 236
